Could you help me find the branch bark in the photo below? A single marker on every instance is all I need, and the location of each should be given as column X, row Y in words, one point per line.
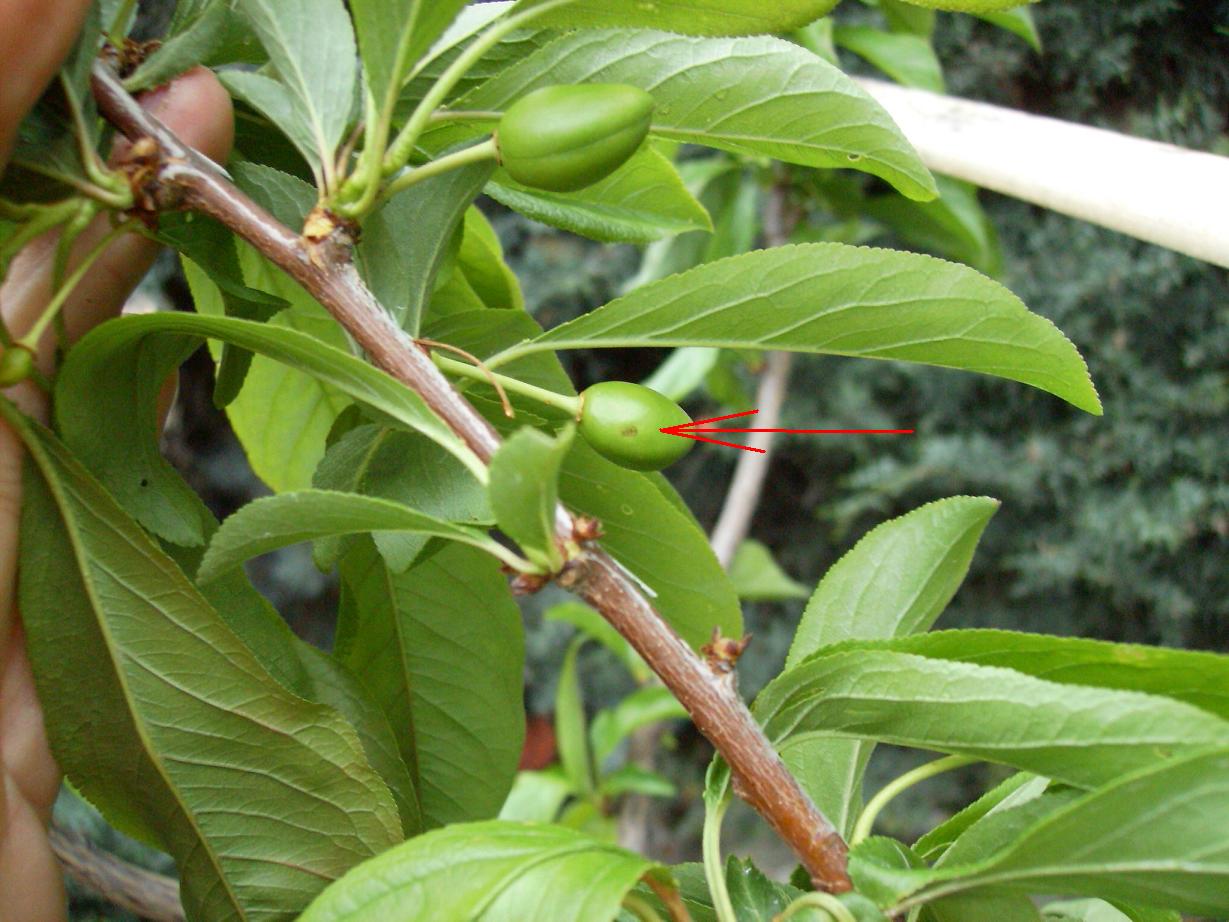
column 187, row 180
column 144, row 893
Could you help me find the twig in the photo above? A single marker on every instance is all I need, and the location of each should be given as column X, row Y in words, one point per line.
column 747, row 485
column 141, row 892
column 187, row 180
column 743, row 496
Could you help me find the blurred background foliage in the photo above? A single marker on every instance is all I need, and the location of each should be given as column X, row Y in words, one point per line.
column 1115, row 527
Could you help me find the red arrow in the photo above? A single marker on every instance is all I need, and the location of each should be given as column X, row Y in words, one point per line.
column 688, row 431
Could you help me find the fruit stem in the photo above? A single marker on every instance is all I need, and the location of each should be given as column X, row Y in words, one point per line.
column 403, row 146
column 564, row 402
column 875, row 805
column 487, row 150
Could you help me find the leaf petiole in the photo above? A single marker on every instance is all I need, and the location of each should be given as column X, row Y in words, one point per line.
column 875, row 805
column 828, row 904
column 454, row 161
column 399, row 152
column 714, row 813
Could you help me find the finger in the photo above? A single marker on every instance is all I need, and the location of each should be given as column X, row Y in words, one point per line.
column 36, row 37
column 198, row 109
column 24, row 751
column 32, row 884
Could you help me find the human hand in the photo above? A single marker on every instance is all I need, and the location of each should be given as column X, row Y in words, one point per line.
column 35, row 36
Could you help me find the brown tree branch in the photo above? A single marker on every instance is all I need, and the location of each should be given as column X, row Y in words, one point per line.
column 141, row 892
column 186, row 180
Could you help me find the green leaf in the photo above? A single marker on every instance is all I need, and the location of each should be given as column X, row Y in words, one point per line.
column 732, row 197
column 1155, row 836
column 215, row 279
column 264, row 525
column 472, row 20
column 536, row 796
column 977, row 907
column 898, row 579
column 1081, row 735
column 952, row 226
column 283, row 415
column 632, row 779
column 644, row 706
column 976, row 7
column 1004, row 825
column 164, row 719
column 487, row 871
column 481, row 260
column 311, row 47
column 754, row 896
column 758, row 578
column 441, row 649
column 393, row 36
column 96, row 395
column 106, row 387
column 1083, row 911
column 1197, row 678
column 792, row 105
column 310, row 674
column 1102, row 911
column 696, row 17
column 642, row 201
column 683, row 372
column 190, row 45
column 670, row 556
column 1018, row 21
column 841, row 300
column 406, row 242
column 277, row 104
column 908, row 59
column 328, row 682
column 902, row 16
column 406, row 468
column 524, row 492
column 1017, row 789
column 597, row 628
column 570, row 736
column 288, row 198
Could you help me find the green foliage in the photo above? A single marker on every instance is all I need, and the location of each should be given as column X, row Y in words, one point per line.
column 1113, row 528
column 439, row 648
column 525, row 491
column 496, row 870
column 169, row 685
column 924, row 311
column 716, row 104
column 284, row 780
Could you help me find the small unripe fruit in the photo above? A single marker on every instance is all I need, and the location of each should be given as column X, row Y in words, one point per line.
column 623, row 422
column 15, row 365
column 563, row 138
